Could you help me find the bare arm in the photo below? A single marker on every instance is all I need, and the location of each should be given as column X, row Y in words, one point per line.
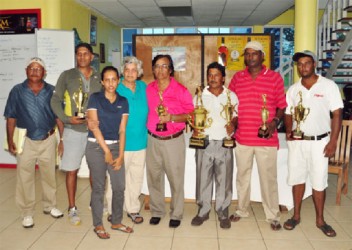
column 273, row 124
column 336, row 121
column 10, row 129
column 60, row 128
column 92, row 114
column 122, row 136
column 288, row 126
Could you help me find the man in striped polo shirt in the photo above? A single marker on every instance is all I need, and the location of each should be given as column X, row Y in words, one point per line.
column 252, row 85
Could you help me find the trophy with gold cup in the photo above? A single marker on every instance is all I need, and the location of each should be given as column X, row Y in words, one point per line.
column 227, row 114
column 299, row 114
column 263, row 131
column 161, row 110
column 79, row 98
column 199, row 121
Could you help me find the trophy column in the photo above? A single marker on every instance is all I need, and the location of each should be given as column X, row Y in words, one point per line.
column 198, row 120
column 227, row 113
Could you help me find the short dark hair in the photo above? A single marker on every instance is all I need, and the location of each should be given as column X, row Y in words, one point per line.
column 109, row 68
column 171, row 64
column 85, row 45
column 216, row 65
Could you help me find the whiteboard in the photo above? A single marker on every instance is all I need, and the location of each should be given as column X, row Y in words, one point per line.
column 15, row 52
column 57, row 49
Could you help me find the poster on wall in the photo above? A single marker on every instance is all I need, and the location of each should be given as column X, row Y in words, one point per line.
column 178, row 55
column 230, row 50
column 22, row 21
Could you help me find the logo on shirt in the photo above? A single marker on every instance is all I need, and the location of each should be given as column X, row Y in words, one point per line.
column 318, row 95
column 119, row 107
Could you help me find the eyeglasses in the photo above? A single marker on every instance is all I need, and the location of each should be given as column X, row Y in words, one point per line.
column 35, row 69
column 161, row 66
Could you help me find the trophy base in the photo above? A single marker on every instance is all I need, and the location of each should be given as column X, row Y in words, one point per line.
column 199, row 143
column 297, row 135
column 161, row 127
column 80, row 115
column 228, row 143
column 263, row 133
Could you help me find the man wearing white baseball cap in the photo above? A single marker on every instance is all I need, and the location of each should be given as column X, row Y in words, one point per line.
column 308, row 157
column 28, row 107
column 258, row 88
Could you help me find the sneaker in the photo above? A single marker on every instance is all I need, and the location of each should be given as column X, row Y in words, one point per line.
column 55, row 213
column 73, row 216
column 28, row 222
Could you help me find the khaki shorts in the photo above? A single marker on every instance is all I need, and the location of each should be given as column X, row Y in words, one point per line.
column 74, row 148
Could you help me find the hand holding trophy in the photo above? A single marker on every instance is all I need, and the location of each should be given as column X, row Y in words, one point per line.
column 227, row 113
column 161, row 110
column 263, row 131
column 198, row 120
column 299, row 114
column 79, row 98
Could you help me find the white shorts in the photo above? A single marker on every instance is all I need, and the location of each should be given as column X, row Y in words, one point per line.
column 74, row 149
column 306, row 158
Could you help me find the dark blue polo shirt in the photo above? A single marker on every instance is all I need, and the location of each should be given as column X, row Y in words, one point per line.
column 32, row 112
column 109, row 114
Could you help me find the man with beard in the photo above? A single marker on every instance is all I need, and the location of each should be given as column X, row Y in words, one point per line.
column 310, row 156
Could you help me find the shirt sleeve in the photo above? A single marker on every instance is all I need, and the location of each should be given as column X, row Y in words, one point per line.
column 335, row 99
column 10, row 108
column 92, row 102
column 280, row 93
column 187, row 102
column 57, row 99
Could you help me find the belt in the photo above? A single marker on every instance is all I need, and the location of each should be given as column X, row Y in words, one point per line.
column 108, row 142
column 52, row 131
column 164, row 138
column 315, row 138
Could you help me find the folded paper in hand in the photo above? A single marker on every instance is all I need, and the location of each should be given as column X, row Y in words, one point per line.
column 19, row 137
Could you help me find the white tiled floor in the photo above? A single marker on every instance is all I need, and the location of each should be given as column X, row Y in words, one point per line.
column 249, row 233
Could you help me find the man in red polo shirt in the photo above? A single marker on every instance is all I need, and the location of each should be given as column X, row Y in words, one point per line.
column 257, row 87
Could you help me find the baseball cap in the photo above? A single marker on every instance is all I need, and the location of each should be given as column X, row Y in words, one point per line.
column 36, row 60
column 304, row 53
column 254, row 45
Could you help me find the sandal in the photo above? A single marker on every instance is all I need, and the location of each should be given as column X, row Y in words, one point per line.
column 101, row 233
column 122, row 228
column 136, row 217
column 290, row 224
column 235, row 217
column 275, row 225
column 327, row 230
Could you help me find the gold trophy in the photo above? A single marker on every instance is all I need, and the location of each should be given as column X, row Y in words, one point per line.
column 299, row 114
column 263, row 129
column 227, row 113
column 80, row 98
column 198, row 120
column 161, row 110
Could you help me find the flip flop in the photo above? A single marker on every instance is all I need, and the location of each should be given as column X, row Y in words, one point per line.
column 235, row 217
column 290, row 224
column 327, row 230
column 136, row 218
column 101, row 233
column 123, row 228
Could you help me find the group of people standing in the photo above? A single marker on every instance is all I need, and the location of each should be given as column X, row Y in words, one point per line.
column 122, row 132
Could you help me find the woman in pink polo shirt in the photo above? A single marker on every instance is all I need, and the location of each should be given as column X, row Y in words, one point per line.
column 166, row 149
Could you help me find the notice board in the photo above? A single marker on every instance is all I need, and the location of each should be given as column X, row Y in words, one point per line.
column 199, row 51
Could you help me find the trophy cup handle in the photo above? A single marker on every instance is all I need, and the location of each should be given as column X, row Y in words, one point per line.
column 222, row 113
column 209, row 122
column 190, row 121
column 306, row 113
